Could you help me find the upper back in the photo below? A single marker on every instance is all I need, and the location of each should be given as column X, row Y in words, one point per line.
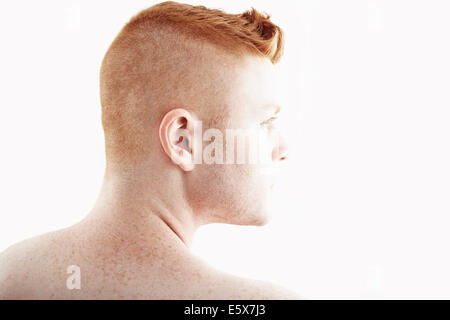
column 67, row 265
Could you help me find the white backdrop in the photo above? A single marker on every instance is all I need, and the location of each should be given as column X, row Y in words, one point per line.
column 364, row 200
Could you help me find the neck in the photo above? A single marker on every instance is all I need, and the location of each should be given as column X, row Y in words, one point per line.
column 147, row 207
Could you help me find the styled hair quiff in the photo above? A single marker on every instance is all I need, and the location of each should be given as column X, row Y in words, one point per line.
column 252, row 31
column 141, row 55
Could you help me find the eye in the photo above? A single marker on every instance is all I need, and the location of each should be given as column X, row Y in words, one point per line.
column 269, row 121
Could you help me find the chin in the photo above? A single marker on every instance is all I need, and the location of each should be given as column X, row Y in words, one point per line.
column 260, row 219
column 261, row 222
column 265, row 220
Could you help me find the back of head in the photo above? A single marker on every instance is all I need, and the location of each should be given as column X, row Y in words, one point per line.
column 174, row 54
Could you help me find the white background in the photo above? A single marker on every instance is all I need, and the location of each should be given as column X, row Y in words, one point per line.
column 364, row 200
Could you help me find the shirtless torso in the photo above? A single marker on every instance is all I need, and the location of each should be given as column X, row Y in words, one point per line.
column 117, row 264
column 209, row 70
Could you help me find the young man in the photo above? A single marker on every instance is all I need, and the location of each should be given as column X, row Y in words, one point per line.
column 173, row 70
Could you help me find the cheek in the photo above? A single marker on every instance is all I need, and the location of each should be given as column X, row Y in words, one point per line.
column 236, row 194
column 249, row 195
column 252, row 183
column 232, row 186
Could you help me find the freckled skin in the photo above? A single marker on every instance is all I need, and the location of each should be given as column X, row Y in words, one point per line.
column 134, row 244
column 119, row 267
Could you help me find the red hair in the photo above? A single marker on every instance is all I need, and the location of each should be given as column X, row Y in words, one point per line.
column 251, row 31
column 148, row 64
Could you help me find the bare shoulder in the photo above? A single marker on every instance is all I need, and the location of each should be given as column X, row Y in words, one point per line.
column 37, row 269
column 272, row 291
column 23, row 266
column 12, row 270
column 263, row 290
column 229, row 287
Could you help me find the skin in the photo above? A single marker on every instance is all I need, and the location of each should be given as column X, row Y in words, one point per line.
column 135, row 242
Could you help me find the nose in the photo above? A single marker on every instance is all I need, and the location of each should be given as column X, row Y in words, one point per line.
column 280, row 152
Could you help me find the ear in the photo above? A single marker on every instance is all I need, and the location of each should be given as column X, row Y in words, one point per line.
column 176, row 134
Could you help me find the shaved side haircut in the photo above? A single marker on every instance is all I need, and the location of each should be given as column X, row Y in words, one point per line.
column 173, row 54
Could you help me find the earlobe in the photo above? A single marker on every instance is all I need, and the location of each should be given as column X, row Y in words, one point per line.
column 175, row 137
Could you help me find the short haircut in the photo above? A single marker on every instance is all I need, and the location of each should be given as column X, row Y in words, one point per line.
column 136, row 59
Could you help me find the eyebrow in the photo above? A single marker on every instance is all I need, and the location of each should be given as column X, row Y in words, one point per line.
column 273, row 106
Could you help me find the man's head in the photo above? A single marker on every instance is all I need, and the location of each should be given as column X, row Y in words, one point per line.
column 174, row 66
